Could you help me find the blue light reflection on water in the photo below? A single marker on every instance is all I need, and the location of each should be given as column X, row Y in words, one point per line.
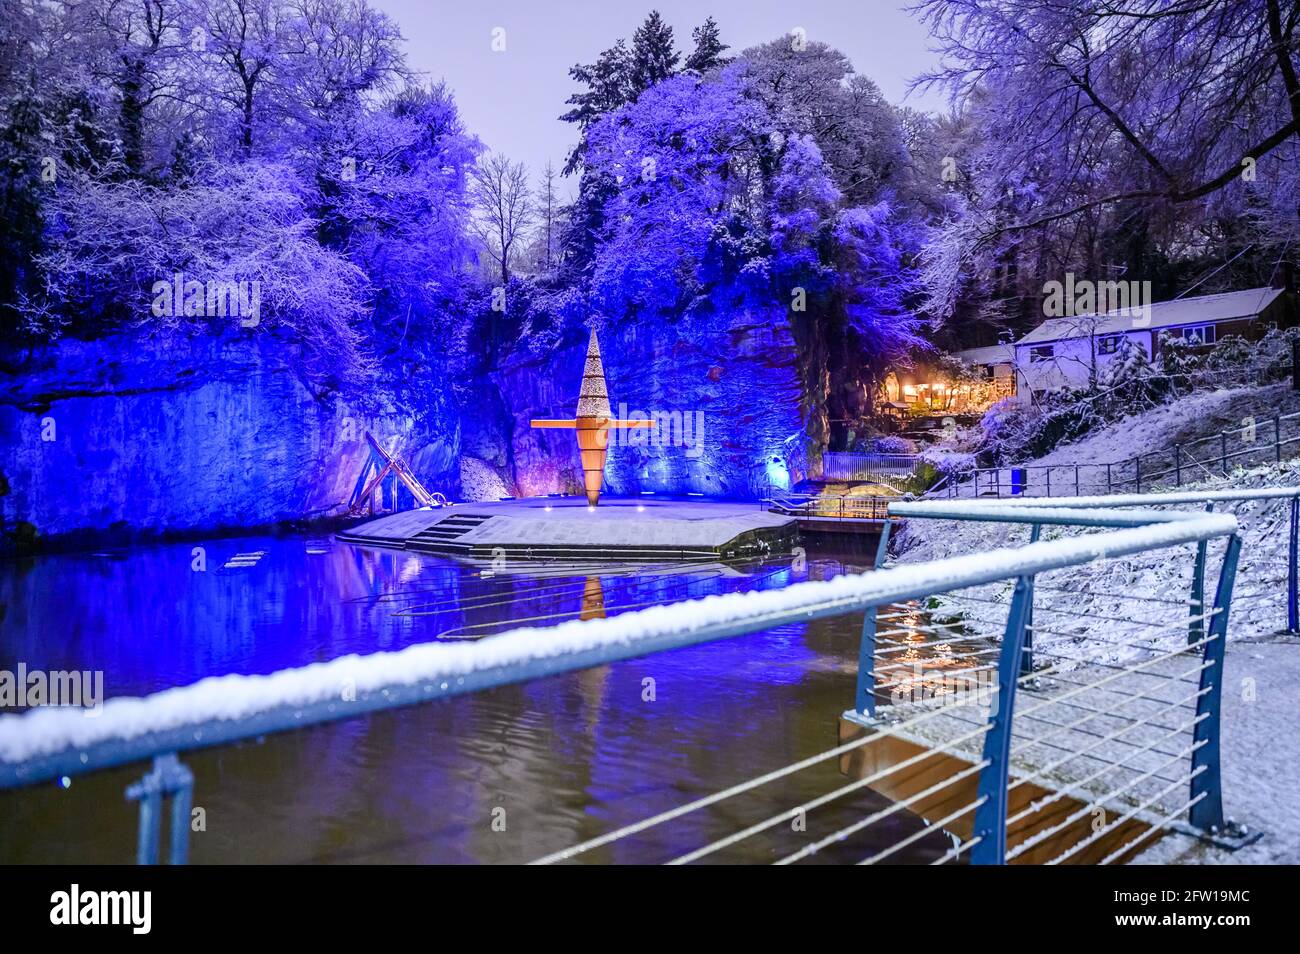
column 565, row 758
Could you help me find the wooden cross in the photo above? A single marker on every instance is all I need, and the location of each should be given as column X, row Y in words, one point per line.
column 593, row 422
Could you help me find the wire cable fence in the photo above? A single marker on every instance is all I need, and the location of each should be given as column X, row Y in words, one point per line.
column 1019, row 729
column 1255, row 442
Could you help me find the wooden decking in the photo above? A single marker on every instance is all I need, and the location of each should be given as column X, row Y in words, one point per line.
column 934, row 768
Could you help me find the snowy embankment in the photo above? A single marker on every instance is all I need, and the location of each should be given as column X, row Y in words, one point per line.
column 1117, row 598
column 1115, row 588
column 1105, row 460
column 1183, row 421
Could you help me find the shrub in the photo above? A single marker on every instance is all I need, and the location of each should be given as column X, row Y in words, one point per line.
column 893, row 444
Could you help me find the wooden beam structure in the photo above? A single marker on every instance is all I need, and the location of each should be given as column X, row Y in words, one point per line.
column 391, row 464
column 593, row 422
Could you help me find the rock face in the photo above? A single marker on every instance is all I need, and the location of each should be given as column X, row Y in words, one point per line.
column 728, row 395
column 119, row 437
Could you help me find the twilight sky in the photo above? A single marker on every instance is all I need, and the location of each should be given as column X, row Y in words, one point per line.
column 511, row 99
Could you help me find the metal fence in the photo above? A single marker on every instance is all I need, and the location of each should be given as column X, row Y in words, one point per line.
column 829, row 507
column 1054, row 732
column 837, row 465
column 1259, row 442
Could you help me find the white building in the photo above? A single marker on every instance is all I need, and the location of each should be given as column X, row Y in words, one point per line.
column 1070, row 351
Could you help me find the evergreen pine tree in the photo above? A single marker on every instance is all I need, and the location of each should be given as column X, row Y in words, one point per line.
column 709, row 47
column 653, row 56
column 609, row 86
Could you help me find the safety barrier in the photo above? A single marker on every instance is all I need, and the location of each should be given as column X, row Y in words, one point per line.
column 1264, row 441
column 988, row 735
column 831, row 507
column 838, row 465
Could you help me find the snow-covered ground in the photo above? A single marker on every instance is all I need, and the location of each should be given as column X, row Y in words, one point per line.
column 1261, row 744
column 1104, row 460
column 1179, row 422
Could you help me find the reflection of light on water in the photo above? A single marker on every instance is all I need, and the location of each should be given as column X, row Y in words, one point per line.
column 571, row 747
column 923, row 656
column 410, row 570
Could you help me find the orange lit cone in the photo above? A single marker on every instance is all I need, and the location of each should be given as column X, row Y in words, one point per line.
column 593, row 422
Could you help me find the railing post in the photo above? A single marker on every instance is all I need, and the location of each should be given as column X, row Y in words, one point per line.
column 882, row 548
column 991, row 814
column 1277, row 438
column 150, row 798
column 1223, row 452
column 1207, row 784
column 864, row 699
column 1137, row 472
column 1293, row 571
column 169, row 777
column 1076, row 480
column 1196, row 629
column 1178, row 465
column 1108, row 488
column 1027, row 657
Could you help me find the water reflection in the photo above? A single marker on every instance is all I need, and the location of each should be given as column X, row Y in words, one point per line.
column 560, row 759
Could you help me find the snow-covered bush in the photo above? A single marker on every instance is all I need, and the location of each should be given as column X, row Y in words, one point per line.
column 893, row 444
column 948, row 463
column 1178, row 356
column 1230, row 351
column 1129, row 365
column 1007, row 428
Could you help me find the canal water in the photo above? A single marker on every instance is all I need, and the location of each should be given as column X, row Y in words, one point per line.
column 506, row 775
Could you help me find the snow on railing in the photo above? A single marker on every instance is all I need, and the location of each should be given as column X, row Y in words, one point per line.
column 901, row 618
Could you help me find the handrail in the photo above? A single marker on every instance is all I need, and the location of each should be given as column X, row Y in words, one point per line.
column 832, row 507
column 1207, row 631
column 851, row 465
column 45, row 744
column 1161, row 465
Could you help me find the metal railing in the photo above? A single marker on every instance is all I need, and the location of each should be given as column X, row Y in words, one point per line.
column 831, row 507
column 1257, row 442
column 46, row 744
column 838, row 465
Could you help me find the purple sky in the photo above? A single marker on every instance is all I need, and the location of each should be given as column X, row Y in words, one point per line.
column 511, row 99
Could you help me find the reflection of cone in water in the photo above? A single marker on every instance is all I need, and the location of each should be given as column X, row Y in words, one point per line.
column 593, row 599
column 593, row 422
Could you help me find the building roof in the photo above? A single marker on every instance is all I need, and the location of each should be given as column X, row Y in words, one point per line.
column 1164, row 314
column 993, row 354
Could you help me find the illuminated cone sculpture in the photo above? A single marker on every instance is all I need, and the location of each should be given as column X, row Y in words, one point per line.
column 593, row 422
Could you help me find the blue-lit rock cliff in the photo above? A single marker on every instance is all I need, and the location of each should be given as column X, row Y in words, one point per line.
column 116, row 438
column 742, row 376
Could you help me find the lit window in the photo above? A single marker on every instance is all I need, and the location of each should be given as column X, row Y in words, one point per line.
column 1108, row 344
column 1197, row 334
column 1041, row 353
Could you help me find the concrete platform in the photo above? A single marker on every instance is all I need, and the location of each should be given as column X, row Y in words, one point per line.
column 646, row 528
